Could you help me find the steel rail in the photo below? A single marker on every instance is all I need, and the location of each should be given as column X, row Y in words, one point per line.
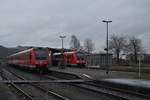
column 23, row 92
column 42, row 89
column 91, row 88
column 117, row 89
column 19, row 89
column 99, row 91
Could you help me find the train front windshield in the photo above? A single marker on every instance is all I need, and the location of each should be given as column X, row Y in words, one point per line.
column 40, row 54
column 80, row 56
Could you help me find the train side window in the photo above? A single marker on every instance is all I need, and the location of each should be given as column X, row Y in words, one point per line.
column 72, row 56
column 69, row 57
column 27, row 56
column 30, row 56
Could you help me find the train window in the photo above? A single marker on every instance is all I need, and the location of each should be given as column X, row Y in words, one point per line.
column 40, row 54
column 80, row 56
column 30, row 56
column 69, row 57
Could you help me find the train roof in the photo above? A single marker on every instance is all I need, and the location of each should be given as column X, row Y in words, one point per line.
column 21, row 52
column 66, row 52
column 27, row 50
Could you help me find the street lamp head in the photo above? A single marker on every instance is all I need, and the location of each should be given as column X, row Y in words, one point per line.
column 106, row 21
column 103, row 20
column 62, row 36
column 109, row 21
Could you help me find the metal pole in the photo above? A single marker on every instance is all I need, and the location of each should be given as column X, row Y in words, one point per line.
column 62, row 43
column 107, row 48
column 62, row 37
column 107, row 62
column 62, row 54
column 139, row 66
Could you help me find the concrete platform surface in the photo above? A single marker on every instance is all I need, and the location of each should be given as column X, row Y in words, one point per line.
column 94, row 73
column 131, row 82
column 112, row 76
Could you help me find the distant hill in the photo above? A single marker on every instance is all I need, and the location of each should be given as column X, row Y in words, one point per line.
column 4, row 51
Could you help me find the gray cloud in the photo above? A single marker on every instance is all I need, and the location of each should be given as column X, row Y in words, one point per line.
column 40, row 22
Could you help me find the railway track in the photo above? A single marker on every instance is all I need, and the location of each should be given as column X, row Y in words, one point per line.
column 107, row 90
column 75, row 85
column 48, row 92
column 98, row 84
column 102, row 89
column 75, row 96
column 121, row 94
column 26, row 95
column 23, row 93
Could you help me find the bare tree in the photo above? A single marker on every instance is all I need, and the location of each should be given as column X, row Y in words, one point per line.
column 74, row 43
column 88, row 45
column 134, row 47
column 117, row 45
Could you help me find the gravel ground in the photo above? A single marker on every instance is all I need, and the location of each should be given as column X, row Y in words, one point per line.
column 68, row 91
column 31, row 90
column 71, row 92
column 5, row 93
column 75, row 93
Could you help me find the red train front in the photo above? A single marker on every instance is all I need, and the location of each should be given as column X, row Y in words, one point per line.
column 34, row 58
column 70, row 58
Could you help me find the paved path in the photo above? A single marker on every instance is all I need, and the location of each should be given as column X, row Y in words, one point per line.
column 94, row 73
column 132, row 82
column 112, row 76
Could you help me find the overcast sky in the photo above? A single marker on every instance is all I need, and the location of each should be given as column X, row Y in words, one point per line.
column 41, row 22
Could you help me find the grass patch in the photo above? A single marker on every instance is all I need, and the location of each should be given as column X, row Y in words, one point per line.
column 2, row 85
column 126, row 68
column 136, row 75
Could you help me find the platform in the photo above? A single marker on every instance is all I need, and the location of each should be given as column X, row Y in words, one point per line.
column 131, row 82
column 101, row 75
column 93, row 73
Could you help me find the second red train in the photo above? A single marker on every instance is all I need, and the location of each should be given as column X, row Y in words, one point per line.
column 69, row 58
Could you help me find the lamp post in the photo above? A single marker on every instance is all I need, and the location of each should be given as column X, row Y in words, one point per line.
column 107, row 22
column 139, row 66
column 140, row 58
column 62, row 39
column 62, row 50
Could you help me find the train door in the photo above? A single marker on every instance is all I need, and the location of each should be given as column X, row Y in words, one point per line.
column 50, row 57
column 68, row 59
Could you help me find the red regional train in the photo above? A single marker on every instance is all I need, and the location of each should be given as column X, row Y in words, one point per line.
column 70, row 58
column 34, row 58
